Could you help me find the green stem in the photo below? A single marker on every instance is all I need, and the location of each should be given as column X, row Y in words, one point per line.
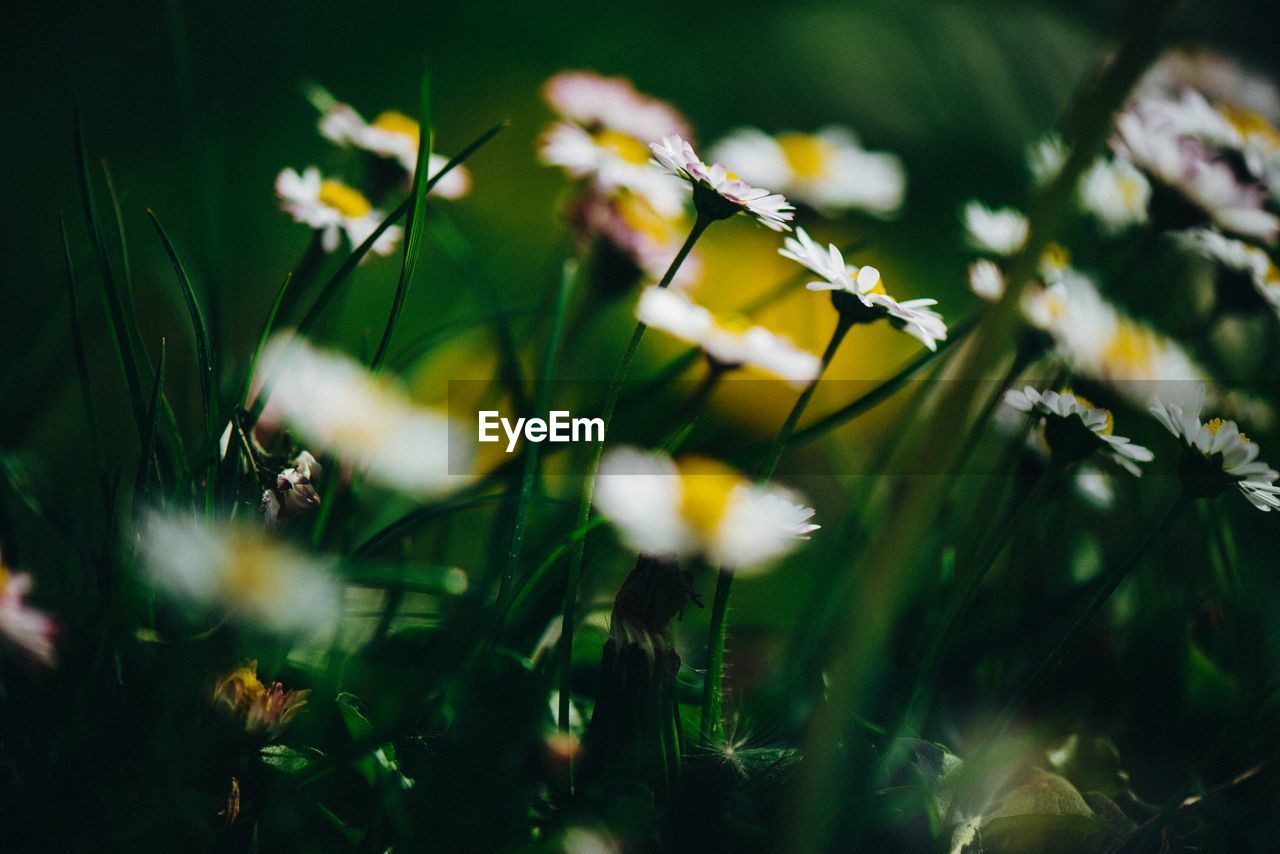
column 588, row 488
column 713, row 687
column 1110, row 582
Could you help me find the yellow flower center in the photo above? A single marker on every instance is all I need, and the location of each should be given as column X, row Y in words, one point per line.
column 1110, row 426
column 252, row 577
column 806, row 154
column 1056, row 257
column 1130, row 347
column 343, row 199
column 1131, row 190
column 247, row 678
column 625, row 146
column 393, row 121
column 1250, row 123
column 639, row 216
column 705, row 489
column 1213, row 425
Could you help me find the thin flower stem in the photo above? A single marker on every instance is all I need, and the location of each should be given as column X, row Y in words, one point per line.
column 1110, row 582
column 588, row 487
column 713, row 687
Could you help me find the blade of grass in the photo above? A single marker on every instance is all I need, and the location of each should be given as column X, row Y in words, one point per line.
column 532, row 458
column 149, row 436
column 416, row 219
column 267, row 325
column 198, row 326
column 115, row 306
column 82, row 365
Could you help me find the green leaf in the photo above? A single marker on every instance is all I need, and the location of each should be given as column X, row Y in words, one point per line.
column 289, row 760
column 200, row 329
column 399, row 575
column 82, row 364
column 357, row 724
column 1042, row 834
column 414, row 225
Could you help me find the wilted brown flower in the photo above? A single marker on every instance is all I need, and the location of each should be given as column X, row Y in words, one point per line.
column 260, row 710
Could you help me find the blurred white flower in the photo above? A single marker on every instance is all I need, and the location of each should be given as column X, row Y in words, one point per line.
column 28, row 629
column 986, row 279
column 593, row 101
column 695, row 506
column 1173, row 142
column 717, row 192
column 604, row 136
column 1219, row 77
column 1116, row 193
column 1000, row 231
column 911, row 316
column 630, row 225
column 238, row 569
column 1100, row 342
column 827, row 170
column 332, row 208
column 749, row 346
column 339, row 408
column 1074, row 426
column 1253, row 266
column 1220, row 456
column 392, row 135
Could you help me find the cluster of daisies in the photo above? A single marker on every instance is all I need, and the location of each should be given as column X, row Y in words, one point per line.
column 334, row 208
column 1192, row 162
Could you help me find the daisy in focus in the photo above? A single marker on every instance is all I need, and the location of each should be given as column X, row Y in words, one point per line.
column 717, row 192
column 1075, row 429
column 339, row 408
column 827, row 170
column 1217, row 456
column 333, row 209
column 391, row 136
column 725, row 345
column 604, row 133
column 260, row 711
column 238, row 570
column 863, row 283
column 698, row 507
column 27, row 629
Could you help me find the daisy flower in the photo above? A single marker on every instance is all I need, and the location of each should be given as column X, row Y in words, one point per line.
column 1074, row 428
column 28, row 629
column 1248, row 279
column 1218, row 455
column 827, row 170
column 1097, row 340
column 697, row 507
column 260, row 711
column 238, row 570
column 1219, row 77
column 333, row 208
column 863, row 283
column 717, row 192
column 594, row 101
column 625, row 227
column 393, row 136
column 1172, row 142
column 604, row 135
column 986, row 279
column 725, row 345
column 1116, row 193
column 339, row 408
column 998, row 231
column 293, row 493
